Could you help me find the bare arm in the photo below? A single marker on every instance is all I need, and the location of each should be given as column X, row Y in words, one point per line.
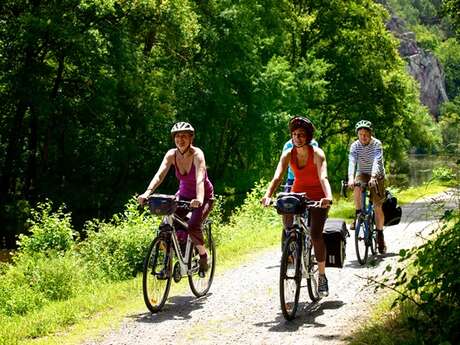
column 159, row 176
column 321, row 165
column 277, row 178
column 200, row 171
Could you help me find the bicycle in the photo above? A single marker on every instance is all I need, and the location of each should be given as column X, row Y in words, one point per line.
column 167, row 258
column 365, row 233
column 297, row 260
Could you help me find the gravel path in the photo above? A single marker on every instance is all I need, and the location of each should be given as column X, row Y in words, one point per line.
column 243, row 304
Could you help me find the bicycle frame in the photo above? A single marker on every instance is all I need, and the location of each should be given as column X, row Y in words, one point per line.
column 182, row 258
column 301, row 228
column 366, row 210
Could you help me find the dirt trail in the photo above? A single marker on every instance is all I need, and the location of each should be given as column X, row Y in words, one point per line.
column 243, row 304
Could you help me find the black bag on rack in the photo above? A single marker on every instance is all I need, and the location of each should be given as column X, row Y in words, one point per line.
column 335, row 235
column 391, row 211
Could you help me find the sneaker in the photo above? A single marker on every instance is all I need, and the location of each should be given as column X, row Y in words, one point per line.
column 352, row 225
column 323, row 287
column 162, row 275
column 381, row 242
column 203, row 264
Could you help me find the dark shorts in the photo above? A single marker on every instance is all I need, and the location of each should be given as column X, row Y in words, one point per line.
column 377, row 192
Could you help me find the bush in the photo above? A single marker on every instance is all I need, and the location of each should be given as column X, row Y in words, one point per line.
column 434, row 287
column 444, row 175
column 49, row 231
column 37, row 279
column 116, row 250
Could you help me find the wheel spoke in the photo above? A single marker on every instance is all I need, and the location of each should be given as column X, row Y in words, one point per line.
column 198, row 284
column 157, row 275
column 290, row 278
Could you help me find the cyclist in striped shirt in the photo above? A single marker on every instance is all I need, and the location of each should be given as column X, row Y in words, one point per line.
column 366, row 160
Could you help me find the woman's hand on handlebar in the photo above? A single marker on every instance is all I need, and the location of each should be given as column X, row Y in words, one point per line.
column 141, row 199
column 325, row 203
column 265, row 201
column 351, row 183
column 195, row 203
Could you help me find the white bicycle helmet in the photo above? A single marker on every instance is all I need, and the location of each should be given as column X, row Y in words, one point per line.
column 182, row 127
column 363, row 124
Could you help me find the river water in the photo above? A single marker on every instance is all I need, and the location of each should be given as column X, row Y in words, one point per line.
column 420, row 169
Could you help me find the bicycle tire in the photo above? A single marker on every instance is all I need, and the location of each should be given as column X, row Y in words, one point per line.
column 290, row 278
column 201, row 285
column 372, row 234
column 312, row 274
column 156, row 278
column 361, row 246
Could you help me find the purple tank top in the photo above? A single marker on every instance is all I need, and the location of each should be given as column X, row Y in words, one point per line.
column 187, row 183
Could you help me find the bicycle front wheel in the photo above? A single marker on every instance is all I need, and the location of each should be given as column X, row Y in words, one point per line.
column 156, row 280
column 290, row 278
column 198, row 284
column 312, row 274
column 372, row 234
column 361, row 242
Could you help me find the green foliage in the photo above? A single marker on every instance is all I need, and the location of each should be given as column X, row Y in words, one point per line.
column 448, row 53
column 444, row 174
column 35, row 280
column 450, row 125
column 428, row 37
column 115, row 250
column 97, row 85
column 49, row 231
column 434, row 285
column 451, row 9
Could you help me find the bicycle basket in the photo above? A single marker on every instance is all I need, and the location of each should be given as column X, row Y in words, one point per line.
column 160, row 204
column 290, row 204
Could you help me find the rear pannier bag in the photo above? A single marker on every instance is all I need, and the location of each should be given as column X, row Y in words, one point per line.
column 335, row 235
column 391, row 211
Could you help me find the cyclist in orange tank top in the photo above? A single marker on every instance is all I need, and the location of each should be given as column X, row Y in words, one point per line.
column 310, row 171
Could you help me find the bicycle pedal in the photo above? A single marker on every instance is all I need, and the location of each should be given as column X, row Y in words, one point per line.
column 162, row 275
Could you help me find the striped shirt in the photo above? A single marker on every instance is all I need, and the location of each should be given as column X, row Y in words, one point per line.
column 366, row 159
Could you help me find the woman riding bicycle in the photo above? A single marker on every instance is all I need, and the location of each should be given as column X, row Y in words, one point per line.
column 366, row 160
column 194, row 184
column 310, row 170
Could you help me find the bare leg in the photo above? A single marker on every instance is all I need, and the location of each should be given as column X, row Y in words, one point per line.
column 379, row 217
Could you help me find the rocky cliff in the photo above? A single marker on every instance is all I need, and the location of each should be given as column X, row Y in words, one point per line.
column 422, row 65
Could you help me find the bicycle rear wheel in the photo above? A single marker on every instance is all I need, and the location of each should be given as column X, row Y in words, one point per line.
column 290, row 278
column 361, row 246
column 201, row 285
column 312, row 274
column 156, row 279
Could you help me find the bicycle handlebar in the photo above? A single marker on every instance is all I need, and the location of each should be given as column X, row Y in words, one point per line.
column 308, row 202
column 343, row 189
column 180, row 203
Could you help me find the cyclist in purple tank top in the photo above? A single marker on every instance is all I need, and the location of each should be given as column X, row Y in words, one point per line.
column 194, row 184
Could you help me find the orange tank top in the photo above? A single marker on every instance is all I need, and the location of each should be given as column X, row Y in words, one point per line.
column 306, row 178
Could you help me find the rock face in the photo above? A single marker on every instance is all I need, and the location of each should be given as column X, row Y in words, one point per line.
column 422, row 65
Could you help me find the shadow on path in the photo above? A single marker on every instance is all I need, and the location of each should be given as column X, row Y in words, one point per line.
column 305, row 317
column 176, row 308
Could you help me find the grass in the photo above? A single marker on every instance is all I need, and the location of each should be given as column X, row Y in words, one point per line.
column 90, row 315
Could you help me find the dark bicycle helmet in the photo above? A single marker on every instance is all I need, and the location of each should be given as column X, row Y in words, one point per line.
column 301, row 122
column 182, row 127
column 363, row 124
